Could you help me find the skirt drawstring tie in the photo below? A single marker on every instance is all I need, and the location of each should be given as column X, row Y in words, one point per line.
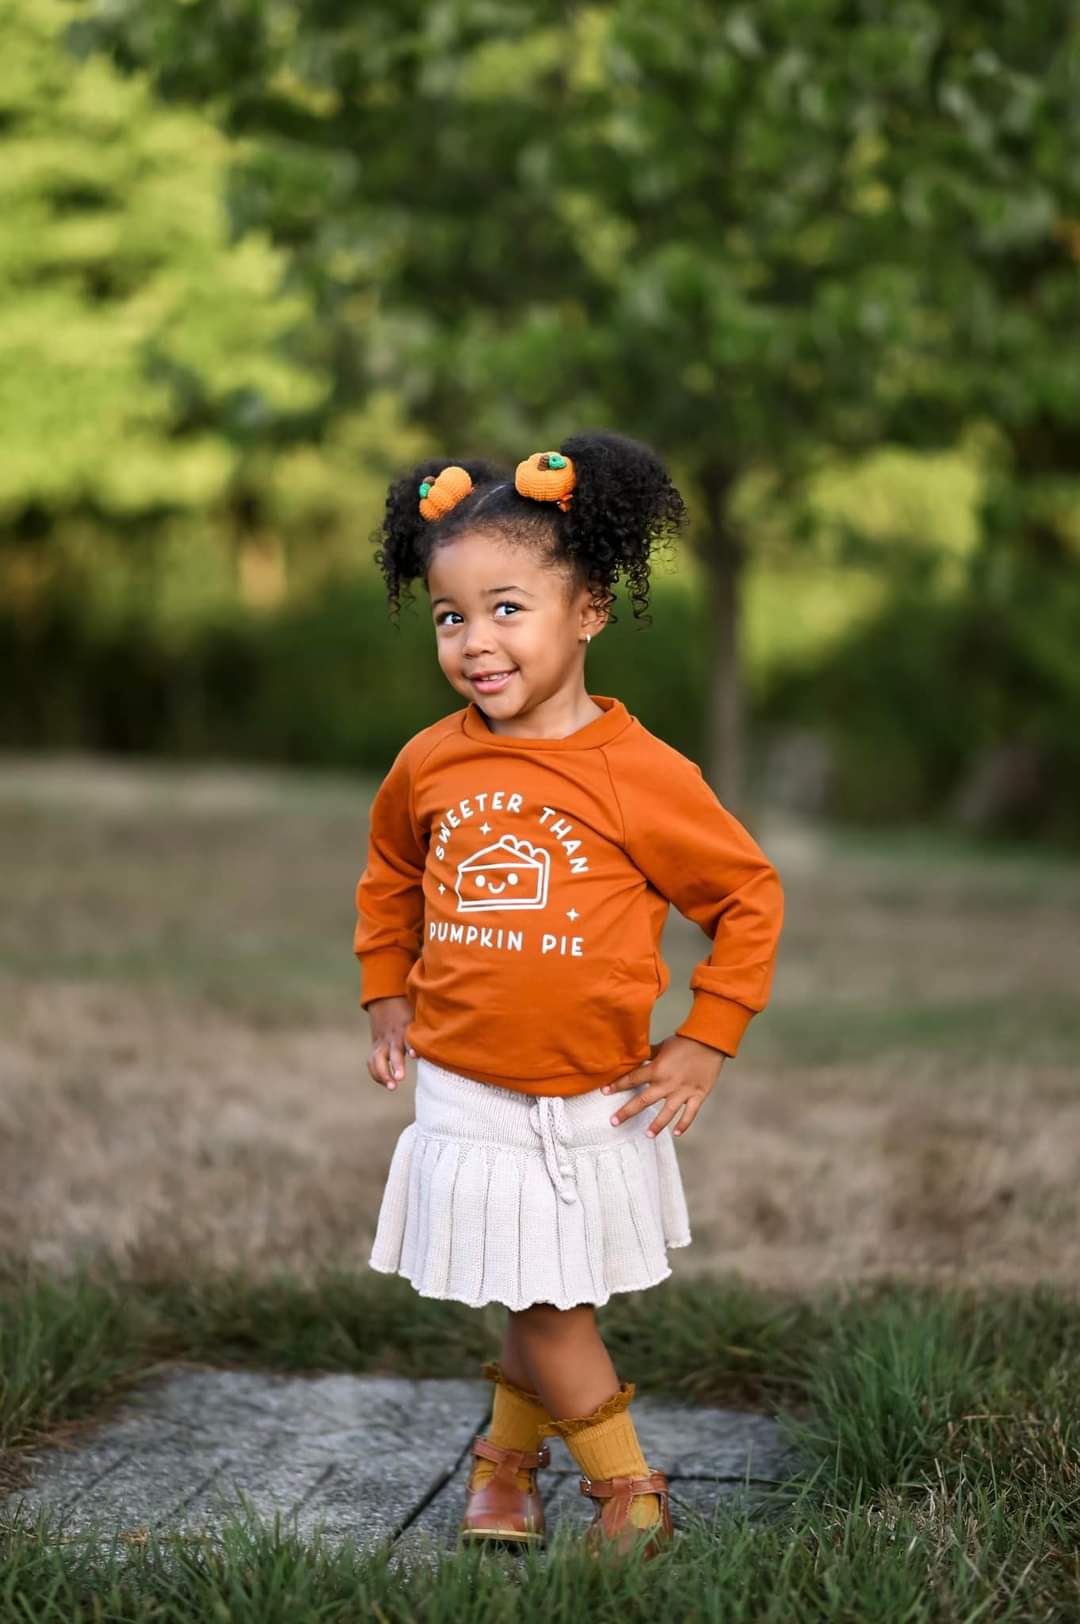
column 547, row 1115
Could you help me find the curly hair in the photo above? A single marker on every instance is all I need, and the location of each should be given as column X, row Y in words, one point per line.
column 624, row 504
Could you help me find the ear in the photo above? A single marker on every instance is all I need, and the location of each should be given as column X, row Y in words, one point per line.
column 592, row 619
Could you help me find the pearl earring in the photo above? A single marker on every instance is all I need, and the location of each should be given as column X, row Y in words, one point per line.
column 588, row 637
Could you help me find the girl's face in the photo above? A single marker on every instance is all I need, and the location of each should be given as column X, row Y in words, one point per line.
column 509, row 633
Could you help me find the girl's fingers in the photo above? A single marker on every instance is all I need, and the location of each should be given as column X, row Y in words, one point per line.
column 648, row 1096
column 663, row 1117
column 627, row 1111
column 620, row 1084
column 692, row 1109
column 386, row 1062
column 378, row 1065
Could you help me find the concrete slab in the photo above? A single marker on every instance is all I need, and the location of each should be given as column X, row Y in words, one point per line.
column 368, row 1457
column 355, row 1453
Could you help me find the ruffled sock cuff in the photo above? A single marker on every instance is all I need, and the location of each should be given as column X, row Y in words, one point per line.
column 619, row 1401
column 494, row 1373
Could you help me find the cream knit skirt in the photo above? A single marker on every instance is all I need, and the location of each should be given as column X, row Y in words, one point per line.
column 496, row 1196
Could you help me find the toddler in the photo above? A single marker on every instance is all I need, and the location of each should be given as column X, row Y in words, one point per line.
column 523, row 852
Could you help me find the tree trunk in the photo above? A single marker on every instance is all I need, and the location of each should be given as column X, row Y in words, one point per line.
column 724, row 765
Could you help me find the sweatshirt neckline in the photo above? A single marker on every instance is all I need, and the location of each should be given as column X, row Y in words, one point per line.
column 601, row 730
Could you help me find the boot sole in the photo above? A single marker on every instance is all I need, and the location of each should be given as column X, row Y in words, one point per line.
column 498, row 1536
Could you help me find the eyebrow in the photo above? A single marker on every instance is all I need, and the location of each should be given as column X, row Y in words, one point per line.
column 488, row 590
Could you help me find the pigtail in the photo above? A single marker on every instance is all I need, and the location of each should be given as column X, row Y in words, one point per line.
column 622, row 505
column 403, row 541
column 599, row 504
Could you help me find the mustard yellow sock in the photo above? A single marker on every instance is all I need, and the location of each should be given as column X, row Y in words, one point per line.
column 605, row 1444
column 516, row 1419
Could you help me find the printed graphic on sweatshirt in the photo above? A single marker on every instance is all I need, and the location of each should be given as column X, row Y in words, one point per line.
column 507, row 873
column 510, row 873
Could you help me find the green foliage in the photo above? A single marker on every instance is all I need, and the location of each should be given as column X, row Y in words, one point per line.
column 917, row 693
column 743, row 234
column 660, row 219
column 329, row 680
column 116, row 286
column 758, row 237
column 153, row 380
column 751, row 235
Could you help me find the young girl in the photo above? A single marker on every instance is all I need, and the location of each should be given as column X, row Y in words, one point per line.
column 523, row 852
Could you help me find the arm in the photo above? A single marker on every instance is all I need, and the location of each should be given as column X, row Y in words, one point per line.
column 695, row 853
column 702, row 859
column 389, row 894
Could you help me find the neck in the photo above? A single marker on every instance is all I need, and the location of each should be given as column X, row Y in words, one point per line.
column 554, row 718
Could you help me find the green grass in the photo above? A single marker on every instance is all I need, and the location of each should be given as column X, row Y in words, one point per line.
column 727, row 1568
column 994, row 865
column 939, row 1431
column 67, row 1345
column 1044, row 1030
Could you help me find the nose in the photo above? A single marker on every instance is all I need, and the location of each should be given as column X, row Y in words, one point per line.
column 478, row 640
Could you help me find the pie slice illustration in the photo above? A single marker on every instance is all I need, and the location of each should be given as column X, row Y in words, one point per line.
column 509, row 874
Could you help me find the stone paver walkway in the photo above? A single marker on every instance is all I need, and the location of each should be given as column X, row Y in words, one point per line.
column 368, row 1457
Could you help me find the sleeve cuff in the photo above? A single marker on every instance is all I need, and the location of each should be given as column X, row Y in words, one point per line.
column 716, row 1021
column 384, row 974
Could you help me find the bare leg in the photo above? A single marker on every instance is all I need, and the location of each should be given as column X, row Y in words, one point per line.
column 513, row 1359
column 562, row 1353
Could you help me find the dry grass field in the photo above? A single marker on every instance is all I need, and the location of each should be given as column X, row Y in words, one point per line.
column 182, row 1056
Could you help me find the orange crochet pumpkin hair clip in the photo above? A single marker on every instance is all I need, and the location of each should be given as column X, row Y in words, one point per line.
column 547, row 476
column 446, row 490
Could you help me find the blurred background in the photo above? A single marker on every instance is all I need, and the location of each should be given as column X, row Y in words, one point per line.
column 259, row 257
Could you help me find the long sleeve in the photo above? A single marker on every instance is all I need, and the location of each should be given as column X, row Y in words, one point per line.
column 389, row 894
column 702, row 859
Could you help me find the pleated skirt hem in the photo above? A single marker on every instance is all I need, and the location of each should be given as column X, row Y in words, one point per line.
column 478, row 1210
column 483, row 1302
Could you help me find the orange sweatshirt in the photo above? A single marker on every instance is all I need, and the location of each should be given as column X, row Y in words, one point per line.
column 516, row 891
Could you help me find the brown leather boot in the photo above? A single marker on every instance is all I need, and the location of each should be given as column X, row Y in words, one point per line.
column 499, row 1510
column 611, row 1528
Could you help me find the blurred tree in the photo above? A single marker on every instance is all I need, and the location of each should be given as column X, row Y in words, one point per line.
column 745, row 233
column 144, row 360
column 527, row 225
column 980, row 162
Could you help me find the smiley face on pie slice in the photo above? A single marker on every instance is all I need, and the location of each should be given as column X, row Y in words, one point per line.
column 509, row 874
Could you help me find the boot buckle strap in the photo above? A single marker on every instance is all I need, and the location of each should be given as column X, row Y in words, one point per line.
column 523, row 1459
column 605, row 1488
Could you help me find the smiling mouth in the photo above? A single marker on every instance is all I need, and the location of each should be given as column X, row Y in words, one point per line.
column 493, row 676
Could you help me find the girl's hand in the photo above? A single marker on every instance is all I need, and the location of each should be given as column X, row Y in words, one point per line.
column 389, row 1017
column 682, row 1071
